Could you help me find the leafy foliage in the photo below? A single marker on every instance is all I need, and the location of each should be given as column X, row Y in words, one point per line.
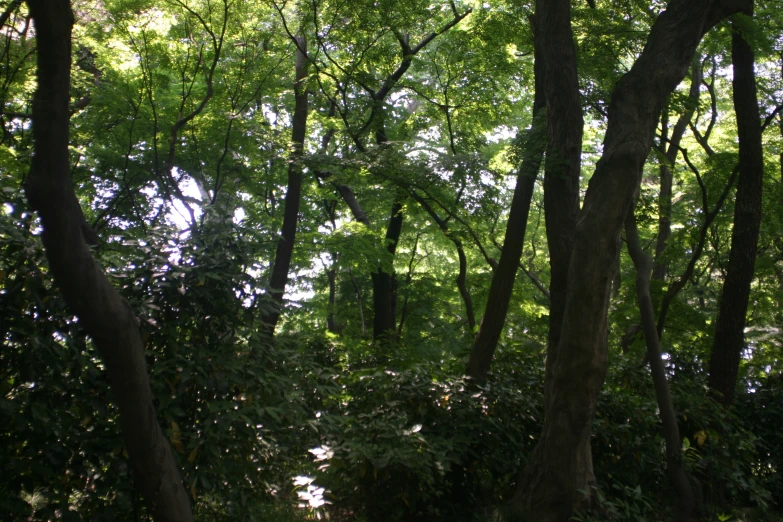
column 180, row 128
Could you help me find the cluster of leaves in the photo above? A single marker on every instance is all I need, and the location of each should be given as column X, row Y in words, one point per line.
column 389, row 431
column 234, row 407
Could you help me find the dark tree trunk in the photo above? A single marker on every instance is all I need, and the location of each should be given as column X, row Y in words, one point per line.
column 557, row 479
column 563, row 154
column 383, row 282
column 686, row 504
column 729, row 334
column 331, row 274
column 285, row 246
column 104, row 314
column 779, row 240
column 504, row 275
column 350, row 199
column 462, row 285
column 561, row 206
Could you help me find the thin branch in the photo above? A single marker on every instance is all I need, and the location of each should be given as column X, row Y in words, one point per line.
column 710, row 216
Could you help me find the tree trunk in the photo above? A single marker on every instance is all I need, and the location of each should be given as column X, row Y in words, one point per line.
column 384, row 286
column 686, row 504
column 104, row 314
column 331, row 275
column 563, row 154
column 729, row 334
column 556, row 481
column 285, row 246
column 503, row 277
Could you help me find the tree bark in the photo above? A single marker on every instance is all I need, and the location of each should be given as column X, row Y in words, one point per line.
column 563, row 155
column 383, row 282
column 556, row 480
column 729, row 334
column 104, row 314
column 331, row 275
column 686, row 504
column 504, row 275
column 293, row 196
column 561, row 206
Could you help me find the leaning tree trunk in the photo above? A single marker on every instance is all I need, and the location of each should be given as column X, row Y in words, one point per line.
column 556, row 480
column 293, row 196
column 729, row 334
column 503, row 277
column 106, row 317
column 686, row 503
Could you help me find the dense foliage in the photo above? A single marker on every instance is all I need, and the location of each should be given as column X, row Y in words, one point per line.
column 180, row 150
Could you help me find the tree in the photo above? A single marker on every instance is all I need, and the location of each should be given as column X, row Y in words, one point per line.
column 285, row 246
column 552, row 480
column 729, row 334
column 533, row 146
column 106, row 316
column 397, row 163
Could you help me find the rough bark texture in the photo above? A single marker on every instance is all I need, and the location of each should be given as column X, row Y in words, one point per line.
column 504, row 275
column 563, row 154
column 729, row 334
column 561, row 206
column 104, row 314
column 686, row 504
column 556, row 480
column 293, row 196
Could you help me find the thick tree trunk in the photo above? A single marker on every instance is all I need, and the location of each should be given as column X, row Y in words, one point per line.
column 556, row 480
column 503, row 277
column 104, row 314
column 293, row 196
column 561, row 206
column 383, row 282
column 563, row 154
column 729, row 334
column 686, row 504
column 331, row 275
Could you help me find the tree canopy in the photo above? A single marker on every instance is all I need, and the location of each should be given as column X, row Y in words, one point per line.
column 391, row 260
